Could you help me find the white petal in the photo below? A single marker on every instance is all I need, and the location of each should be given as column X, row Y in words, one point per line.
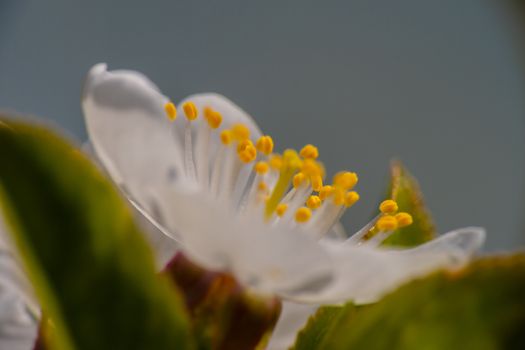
column 127, row 126
column 163, row 244
column 231, row 114
column 292, row 319
column 365, row 274
column 268, row 260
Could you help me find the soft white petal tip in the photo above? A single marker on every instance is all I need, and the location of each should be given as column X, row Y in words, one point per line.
column 470, row 239
column 91, row 76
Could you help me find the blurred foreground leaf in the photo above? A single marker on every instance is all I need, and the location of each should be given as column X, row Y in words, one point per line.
column 93, row 273
column 479, row 307
column 404, row 189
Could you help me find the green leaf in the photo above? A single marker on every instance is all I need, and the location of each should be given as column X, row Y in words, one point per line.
column 479, row 307
column 319, row 325
column 92, row 270
column 404, row 189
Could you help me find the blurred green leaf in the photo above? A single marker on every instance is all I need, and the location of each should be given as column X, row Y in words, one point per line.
column 404, row 189
column 313, row 336
column 92, row 270
column 479, row 307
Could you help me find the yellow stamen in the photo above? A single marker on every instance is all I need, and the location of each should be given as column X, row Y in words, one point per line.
column 388, row 207
column 246, row 151
column 276, row 162
column 303, row 214
column 386, row 223
column 309, row 152
column 351, row 198
column 291, row 160
column 325, row 192
column 240, row 132
column 339, row 196
column 171, row 111
column 404, row 219
column 311, row 167
column 265, row 145
column 313, row 202
column 298, row 179
column 190, row 110
column 317, row 182
column 262, row 186
column 226, row 137
column 281, row 209
column 346, row 180
column 262, row 167
column 290, row 164
column 213, row 118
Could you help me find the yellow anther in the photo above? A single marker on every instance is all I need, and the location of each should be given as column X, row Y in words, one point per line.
column 317, row 182
column 303, row 214
column 313, row 202
column 351, row 198
column 276, row 162
column 213, row 118
column 325, row 192
column 240, row 132
column 298, row 179
column 339, row 196
column 311, row 167
column 243, row 145
column 248, row 153
column 281, row 209
column 190, row 110
column 265, row 145
column 262, row 167
column 346, row 180
column 226, row 137
column 309, row 152
column 262, row 186
column 386, row 223
column 171, row 111
column 404, row 219
column 388, row 206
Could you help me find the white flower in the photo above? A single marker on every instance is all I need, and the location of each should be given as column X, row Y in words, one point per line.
column 209, row 182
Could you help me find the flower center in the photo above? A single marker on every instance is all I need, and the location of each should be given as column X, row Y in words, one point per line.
column 283, row 189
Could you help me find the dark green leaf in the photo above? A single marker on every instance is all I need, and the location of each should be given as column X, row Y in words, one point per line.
column 92, row 270
column 479, row 307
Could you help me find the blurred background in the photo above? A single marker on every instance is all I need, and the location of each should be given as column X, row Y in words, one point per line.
column 438, row 84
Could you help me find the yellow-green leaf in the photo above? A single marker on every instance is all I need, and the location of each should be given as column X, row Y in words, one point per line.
column 404, row 189
column 479, row 307
column 91, row 268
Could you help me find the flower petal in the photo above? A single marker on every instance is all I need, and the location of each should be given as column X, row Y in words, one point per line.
column 127, row 126
column 292, row 319
column 164, row 245
column 365, row 274
column 260, row 256
column 231, row 115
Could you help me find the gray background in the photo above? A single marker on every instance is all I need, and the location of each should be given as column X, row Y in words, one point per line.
column 437, row 84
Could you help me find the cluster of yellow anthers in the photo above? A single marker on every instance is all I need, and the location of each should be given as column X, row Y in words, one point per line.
column 390, row 219
column 296, row 169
